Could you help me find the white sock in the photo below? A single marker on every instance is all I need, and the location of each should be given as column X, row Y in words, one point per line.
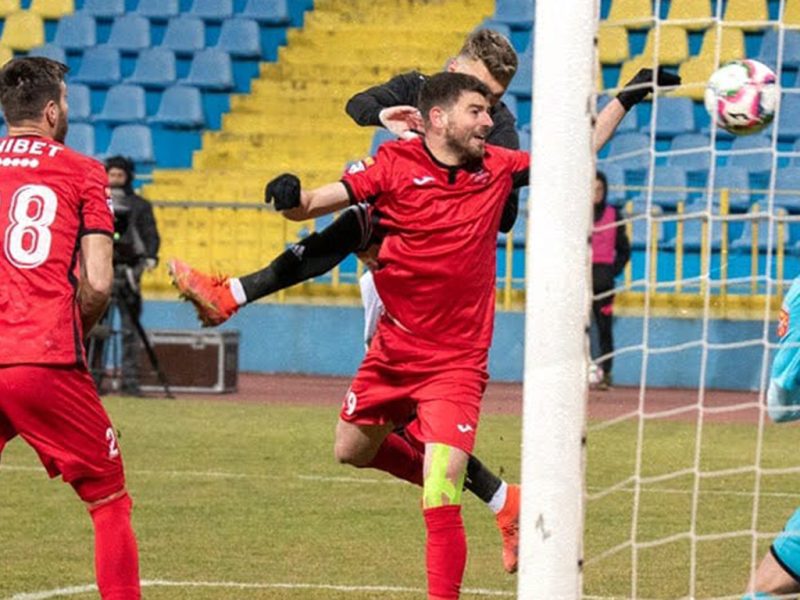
column 237, row 291
column 498, row 501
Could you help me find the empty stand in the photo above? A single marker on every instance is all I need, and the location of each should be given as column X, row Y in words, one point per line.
column 76, row 32
column 23, row 30
column 155, row 68
column 181, row 106
column 124, row 103
column 133, row 141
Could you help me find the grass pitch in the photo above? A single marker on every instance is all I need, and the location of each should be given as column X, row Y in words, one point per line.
column 245, row 501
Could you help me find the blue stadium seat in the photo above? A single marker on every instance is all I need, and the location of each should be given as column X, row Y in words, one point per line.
column 160, row 10
column 768, row 53
column 240, row 38
column 754, row 161
column 212, row 10
column 79, row 99
column 789, row 120
column 104, row 9
column 155, row 68
column 736, row 181
column 615, row 175
column 699, row 160
column 50, row 51
column 273, row 12
column 525, row 138
column 788, row 180
column 130, row 33
column 133, row 141
column 124, row 104
column 744, row 242
column 76, row 32
column 693, row 227
column 522, row 83
column 381, row 135
column 518, row 13
column 211, row 69
column 185, row 35
column 796, row 148
column 497, row 26
column 510, row 100
column 181, row 107
column 640, row 239
column 629, row 143
column 674, row 116
column 673, row 177
column 80, row 137
column 100, row 67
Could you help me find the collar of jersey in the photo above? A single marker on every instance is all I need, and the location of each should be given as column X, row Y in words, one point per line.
column 453, row 169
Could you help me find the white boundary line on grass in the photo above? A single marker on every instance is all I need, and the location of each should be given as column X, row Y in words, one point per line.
column 377, row 481
column 83, row 589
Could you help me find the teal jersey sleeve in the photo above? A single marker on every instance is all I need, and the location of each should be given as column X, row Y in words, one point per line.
column 783, row 396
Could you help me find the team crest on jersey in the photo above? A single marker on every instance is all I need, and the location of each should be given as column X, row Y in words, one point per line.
column 360, row 165
column 783, row 322
column 481, row 176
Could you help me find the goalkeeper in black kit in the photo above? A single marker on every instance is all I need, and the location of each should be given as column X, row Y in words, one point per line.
column 485, row 55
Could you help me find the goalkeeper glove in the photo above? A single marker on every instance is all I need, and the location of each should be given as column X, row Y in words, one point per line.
column 284, row 190
column 642, row 84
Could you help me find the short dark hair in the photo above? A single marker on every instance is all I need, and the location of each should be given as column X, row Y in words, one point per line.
column 27, row 84
column 494, row 51
column 444, row 90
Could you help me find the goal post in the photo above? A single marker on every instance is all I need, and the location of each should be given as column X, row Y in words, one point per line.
column 558, row 297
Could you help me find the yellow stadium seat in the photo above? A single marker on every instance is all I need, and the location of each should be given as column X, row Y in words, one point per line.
column 631, row 67
column 731, row 48
column 791, row 15
column 8, row 7
column 633, row 14
column 6, row 54
column 52, row 9
column 612, row 45
column 673, row 46
column 694, row 77
column 23, row 30
column 748, row 10
column 698, row 11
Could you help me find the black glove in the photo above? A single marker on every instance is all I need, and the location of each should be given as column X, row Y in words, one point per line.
column 284, row 190
column 642, row 85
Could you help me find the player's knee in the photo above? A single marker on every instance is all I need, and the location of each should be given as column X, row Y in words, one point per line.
column 347, row 454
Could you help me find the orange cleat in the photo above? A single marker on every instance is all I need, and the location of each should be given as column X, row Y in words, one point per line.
column 210, row 295
column 508, row 524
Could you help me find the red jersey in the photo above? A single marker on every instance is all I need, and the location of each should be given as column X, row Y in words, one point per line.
column 436, row 273
column 50, row 196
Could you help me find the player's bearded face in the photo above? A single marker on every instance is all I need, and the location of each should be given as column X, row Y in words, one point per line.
column 468, row 124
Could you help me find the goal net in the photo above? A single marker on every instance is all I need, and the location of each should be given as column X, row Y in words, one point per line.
column 687, row 480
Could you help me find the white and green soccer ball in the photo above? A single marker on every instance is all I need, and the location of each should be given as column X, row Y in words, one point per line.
column 741, row 96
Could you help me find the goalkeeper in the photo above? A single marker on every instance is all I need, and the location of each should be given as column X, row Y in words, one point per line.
column 779, row 571
column 486, row 55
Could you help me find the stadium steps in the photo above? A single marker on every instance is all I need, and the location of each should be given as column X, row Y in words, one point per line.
column 294, row 120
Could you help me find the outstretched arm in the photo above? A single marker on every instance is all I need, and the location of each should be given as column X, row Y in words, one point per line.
column 634, row 92
column 298, row 205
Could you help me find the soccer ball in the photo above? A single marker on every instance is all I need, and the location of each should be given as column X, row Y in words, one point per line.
column 595, row 374
column 741, row 96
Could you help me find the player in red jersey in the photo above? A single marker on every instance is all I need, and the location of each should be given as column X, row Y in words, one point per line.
column 439, row 201
column 55, row 280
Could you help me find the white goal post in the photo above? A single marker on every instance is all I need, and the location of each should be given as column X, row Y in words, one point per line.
column 558, row 297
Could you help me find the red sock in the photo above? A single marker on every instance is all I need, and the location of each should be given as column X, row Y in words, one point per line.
column 398, row 457
column 446, row 551
column 116, row 559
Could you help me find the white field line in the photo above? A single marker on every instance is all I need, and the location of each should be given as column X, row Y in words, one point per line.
column 83, row 589
column 377, row 481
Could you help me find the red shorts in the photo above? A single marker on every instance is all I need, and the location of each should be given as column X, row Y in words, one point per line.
column 58, row 412
column 401, row 374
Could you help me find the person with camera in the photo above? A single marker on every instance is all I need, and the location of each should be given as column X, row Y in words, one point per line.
column 136, row 244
